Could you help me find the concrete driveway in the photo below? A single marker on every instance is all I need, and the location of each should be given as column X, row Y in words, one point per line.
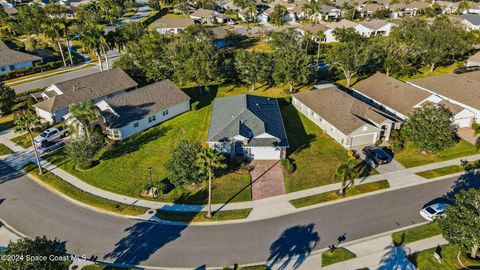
column 385, row 168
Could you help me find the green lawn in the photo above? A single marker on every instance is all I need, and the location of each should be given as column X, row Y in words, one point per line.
column 332, row 195
column 6, row 122
column 416, row 233
column 425, row 71
column 412, row 156
column 23, row 140
column 337, row 255
column 4, row 150
column 81, row 196
column 424, row 260
column 200, row 216
column 441, row 171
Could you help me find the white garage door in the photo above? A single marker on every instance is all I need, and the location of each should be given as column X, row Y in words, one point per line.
column 464, row 122
column 265, row 153
column 362, row 140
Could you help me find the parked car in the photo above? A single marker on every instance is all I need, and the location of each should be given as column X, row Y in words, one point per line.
column 47, row 146
column 433, row 211
column 50, row 134
column 377, row 154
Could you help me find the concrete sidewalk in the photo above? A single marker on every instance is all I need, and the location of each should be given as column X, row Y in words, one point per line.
column 262, row 209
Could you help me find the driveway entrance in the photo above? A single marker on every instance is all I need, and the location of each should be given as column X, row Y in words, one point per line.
column 267, row 179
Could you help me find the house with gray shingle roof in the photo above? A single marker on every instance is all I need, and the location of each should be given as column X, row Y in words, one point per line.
column 470, row 21
column 349, row 121
column 248, row 126
column 13, row 60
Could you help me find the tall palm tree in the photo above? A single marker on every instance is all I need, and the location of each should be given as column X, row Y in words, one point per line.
column 27, row 121
column 208, row 161
column 346, row 173
column 53, row 29
column 320, row 36
column 66, row 33
column 85, row 113
column 93, row 39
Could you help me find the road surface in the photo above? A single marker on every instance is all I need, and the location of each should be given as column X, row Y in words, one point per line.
column 33, row 210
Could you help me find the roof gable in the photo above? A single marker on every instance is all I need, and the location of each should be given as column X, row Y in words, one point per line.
column 12, row 57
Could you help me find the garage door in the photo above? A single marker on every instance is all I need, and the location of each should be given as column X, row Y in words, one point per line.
column 464, row 122
column 362, row 140
column 265, row 153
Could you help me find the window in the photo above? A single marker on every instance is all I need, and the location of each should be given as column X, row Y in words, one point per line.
column 135, row 124
column 165, row 112
column 152, row 118
column 364, row 128
column 2, row 69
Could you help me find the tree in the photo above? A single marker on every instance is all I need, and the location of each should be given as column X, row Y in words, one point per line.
column 30, row 17
column 462, row 220
column 243, row 4
column 85, row 113
column 181, row 166
column 38, row 247
column 93, row 39
column 348, row 35
column 292, row 68
column 7, row 98
column 346, row 174
column 208, row 161
column 430, row 127
column 392, row 57
column 253, row 67
column 82, row 150
column 29, row 122
column 53, row 29
column 278, row 15
column 351, row 58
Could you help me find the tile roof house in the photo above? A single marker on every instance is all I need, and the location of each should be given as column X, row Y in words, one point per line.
column 134, row 111
column 12, row 59
column 348, row 120
column 248, row 126
column 173, row 25
column 94, row 87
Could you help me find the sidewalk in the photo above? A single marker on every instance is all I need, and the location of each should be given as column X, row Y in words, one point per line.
column 262, row 209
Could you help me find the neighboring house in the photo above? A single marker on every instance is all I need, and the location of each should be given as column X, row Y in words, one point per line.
column 376, row 27
column 173, row 25
column 222, row 37
column 95, row 87
column 367, row 10
column 470, row 21
column 263, row 16
column 325, row 13
column 12, row 60
column 458, row 89
column 132, row 112
column 407, row 9
column 247, row 126
column 11, row 11
column 206, row 16
column 474, row 60
column 448, row 7
column 317, row 28
column 349, row 121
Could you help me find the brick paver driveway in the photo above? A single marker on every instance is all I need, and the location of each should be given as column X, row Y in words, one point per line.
column 468, row 135
column 267, row 179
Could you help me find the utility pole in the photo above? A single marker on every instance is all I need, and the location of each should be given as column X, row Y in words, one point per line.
column 151, row 181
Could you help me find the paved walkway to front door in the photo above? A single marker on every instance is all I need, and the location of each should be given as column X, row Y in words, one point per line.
column 267, row 179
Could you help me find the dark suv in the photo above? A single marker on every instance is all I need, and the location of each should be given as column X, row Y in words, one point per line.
column 377, row 154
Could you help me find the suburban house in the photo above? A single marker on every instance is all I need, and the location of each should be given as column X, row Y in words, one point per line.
column 248, row 127
column 325, row 13
column 12, row 60
column 349, row 121
column 54, row 100
column 470, row 21
column 407, row 9
column 367, row 10
column 173, row 25
column 127, row 114
column 376, row 27
column 461, row 90
column 206, row 16
column 473, row 60
column 314, row 29
column 448, row 7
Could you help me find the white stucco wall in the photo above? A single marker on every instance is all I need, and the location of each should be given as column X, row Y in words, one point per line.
column 5, row 69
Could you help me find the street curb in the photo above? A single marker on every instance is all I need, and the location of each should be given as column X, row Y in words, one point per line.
column 12, row 229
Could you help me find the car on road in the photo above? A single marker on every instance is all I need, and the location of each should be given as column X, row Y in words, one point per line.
column 433, row 211
column 377, row 155
column 50, row 134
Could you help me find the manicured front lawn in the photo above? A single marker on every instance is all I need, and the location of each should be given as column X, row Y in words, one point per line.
column 337, row 255
column 441, row 171
column 332, row 195
column 4, row 150
column 424, row 260
column 84, row 197
column 6, row 122
column 200, row 216
column 23, row 140
column 315, row 155
column 415, row 234
column 412, row 156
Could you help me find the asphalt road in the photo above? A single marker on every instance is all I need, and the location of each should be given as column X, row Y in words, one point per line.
column 33, row 210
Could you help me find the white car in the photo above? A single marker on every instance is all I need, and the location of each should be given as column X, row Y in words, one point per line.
column 50, row 134
column 433, row 211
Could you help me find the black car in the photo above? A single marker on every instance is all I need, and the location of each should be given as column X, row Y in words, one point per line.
column 377, row 154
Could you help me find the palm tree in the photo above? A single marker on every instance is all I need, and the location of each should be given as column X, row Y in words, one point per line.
column 28, row 122
column 346, row 173
column 53, row 29
column 85, row 113
column 94, row 40
column 476, row 129
column 320, row 36
column 66, row 33
column 208, row 161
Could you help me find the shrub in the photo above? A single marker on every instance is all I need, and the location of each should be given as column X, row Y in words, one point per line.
column 288, row 165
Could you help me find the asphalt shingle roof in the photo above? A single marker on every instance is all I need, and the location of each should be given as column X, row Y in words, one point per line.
column 11, row 57
column 471, row 18
column 249, row 116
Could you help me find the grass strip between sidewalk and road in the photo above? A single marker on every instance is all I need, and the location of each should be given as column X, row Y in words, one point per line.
column 200, row 216
column 430, row 174
column 332, row 195
column 71, row 191
column 4, row 150
column 336, row 255
column 6, row 122
column 22, row 140
column 416, row 233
